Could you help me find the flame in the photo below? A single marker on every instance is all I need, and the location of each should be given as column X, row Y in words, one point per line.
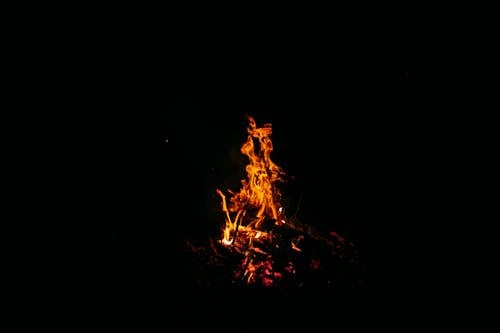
column 259, row 193
column 257, row 201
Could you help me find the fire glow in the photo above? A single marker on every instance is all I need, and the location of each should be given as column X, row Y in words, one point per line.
column 262, row 246
column 253, row 214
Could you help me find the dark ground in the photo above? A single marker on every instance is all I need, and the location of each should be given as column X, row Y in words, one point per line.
column 341, row 117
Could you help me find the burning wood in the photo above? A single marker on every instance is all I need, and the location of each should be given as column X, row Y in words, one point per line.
column 265, row 247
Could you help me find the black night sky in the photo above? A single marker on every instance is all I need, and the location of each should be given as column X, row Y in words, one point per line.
column 340, row 114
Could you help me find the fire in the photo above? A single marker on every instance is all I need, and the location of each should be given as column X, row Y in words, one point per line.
column 257, row 203
column 259, row 193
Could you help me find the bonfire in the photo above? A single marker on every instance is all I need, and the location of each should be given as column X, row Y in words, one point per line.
column 260, row 244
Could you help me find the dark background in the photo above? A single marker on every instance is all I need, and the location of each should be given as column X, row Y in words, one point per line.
column 341, row 116
column 107, row 93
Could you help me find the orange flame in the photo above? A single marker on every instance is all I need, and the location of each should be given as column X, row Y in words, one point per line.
column 259, row 197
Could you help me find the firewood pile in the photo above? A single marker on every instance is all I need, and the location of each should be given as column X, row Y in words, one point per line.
column 290, row 255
